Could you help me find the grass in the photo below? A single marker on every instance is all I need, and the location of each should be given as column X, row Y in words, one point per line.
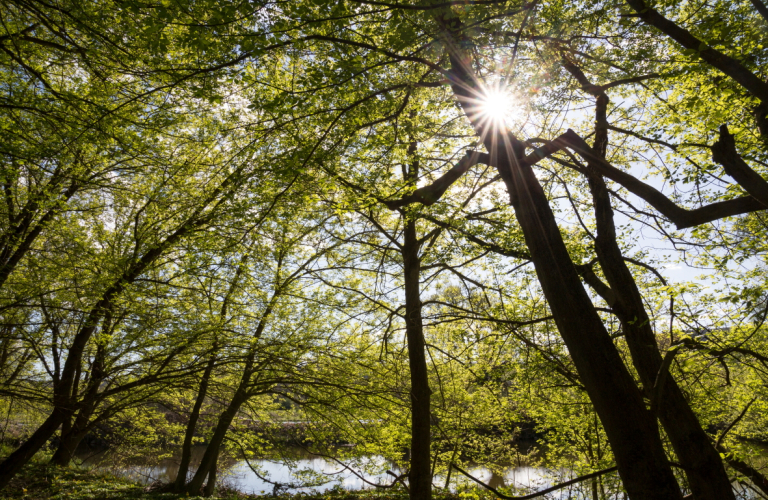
column 40, row 481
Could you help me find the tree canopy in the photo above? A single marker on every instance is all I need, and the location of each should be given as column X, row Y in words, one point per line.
column 416, row 225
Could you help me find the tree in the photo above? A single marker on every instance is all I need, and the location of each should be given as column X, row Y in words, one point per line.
column 670, row 98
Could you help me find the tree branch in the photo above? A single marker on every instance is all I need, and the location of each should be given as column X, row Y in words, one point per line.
column 724, row 63
column 681, row 217
column 428, row 195
column 538, row 493
column 724, row 152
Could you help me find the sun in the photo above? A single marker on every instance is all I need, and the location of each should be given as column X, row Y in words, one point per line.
column 497, row 106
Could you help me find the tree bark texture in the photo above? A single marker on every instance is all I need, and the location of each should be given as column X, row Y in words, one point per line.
column 16, row 460
column 186, row 449
column 72, row 433
column 210, row 457
column 420, row 473
column 701, row 462
column 629, row 425
column 631, row 428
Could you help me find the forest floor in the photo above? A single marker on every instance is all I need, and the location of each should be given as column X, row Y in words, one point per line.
column 40, row 481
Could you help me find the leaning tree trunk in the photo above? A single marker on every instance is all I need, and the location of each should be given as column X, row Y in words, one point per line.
column 241, row 395
column 24, row 453
column 70, row 439
column 420, row 473
column 699, row 459
column 212, row 451
column 72, row 433
column 210, row 485
column 629, row 425
column 186, row 450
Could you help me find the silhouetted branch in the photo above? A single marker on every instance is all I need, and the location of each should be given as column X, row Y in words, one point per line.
column 538, row 493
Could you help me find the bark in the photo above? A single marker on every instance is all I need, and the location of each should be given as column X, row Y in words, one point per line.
column 70, row 440
column 724, row 63
column 681, row 217
column 66, row 447
column 631, row 428
column 72, row 433
column 430, row 194
column 210, row 485
column 210, row 457
column 211, row 454
column 701, row 463
column 699, row 459
column 724, row 152
column 16, row 460
column 186, row 449
column 420, row 473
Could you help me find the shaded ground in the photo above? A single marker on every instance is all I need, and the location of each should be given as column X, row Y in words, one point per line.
column 43, row 482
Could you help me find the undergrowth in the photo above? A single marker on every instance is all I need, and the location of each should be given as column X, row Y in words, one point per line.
column 41, row 481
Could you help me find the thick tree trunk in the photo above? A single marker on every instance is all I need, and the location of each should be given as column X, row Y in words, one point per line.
column 420, row 473
column 70, row 440
column 701, row 462
column 64, row 406
column 74, row 432
column 65, row 443
column 630, row 426
column 186, row 449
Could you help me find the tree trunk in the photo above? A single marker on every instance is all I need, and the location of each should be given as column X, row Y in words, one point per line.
column 74, row 432
column 420, row 473
column 211, row 454
column 70, row 439
column 16, row 460
column 630, row 426
column 186, row 449
column 701, row 462
column 210, row 486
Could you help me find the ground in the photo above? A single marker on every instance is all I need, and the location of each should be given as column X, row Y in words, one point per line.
column 40, row 481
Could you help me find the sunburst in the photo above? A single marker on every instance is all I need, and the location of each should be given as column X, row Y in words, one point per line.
column 497, row 106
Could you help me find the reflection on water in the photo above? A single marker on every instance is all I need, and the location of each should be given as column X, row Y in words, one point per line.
column 303, row 468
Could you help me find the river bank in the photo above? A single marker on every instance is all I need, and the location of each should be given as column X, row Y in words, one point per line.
column 39, row 481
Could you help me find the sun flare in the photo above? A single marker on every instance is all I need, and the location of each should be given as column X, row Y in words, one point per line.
column 497, row 105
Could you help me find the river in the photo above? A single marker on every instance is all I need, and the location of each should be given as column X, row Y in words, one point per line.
column 300, row 471
column 300, row 467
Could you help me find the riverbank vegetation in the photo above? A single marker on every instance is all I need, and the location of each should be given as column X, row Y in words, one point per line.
column 413, row 230
column 46, row 482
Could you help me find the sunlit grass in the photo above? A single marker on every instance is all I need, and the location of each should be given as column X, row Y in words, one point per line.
column 40, row 481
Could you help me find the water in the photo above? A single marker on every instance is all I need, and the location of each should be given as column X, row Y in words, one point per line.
column 303, row 472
